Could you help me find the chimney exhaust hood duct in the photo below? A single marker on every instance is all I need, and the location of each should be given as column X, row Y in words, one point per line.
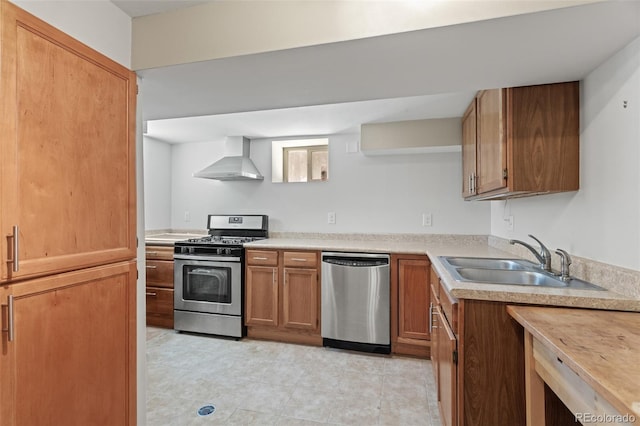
column 235, row 165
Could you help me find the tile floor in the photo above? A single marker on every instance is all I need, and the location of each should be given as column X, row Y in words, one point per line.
column 253, row 382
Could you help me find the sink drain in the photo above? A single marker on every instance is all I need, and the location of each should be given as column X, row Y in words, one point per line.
column 206, row 410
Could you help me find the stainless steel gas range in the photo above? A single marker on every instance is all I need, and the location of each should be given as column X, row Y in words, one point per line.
column 209, row 275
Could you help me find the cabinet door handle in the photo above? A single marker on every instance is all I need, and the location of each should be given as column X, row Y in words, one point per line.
column 152, row 294
column 152, row 267
column 16, row 246
column 430, row 317
column 432, row 323
column 470, row 183
column 259, row 258
column 10, row 329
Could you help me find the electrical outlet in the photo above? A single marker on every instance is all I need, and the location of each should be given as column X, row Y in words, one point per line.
column 426, row 219
column 187, row 216
column 509, row 221
column 331, row 218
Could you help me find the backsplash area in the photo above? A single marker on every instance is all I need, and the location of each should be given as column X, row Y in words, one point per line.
column 620, row 280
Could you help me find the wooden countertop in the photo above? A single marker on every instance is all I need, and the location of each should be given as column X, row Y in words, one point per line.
column 602, row 347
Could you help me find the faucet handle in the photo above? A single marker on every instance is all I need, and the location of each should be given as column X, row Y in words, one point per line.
column 565, row 261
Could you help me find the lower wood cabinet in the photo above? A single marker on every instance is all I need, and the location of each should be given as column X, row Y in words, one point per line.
column 282, row 299
column 478, row 361
column 159, row 290
column 70, row 358
column 410, row 298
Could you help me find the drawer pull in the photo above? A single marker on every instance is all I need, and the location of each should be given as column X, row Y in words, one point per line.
column 151, row 253
column 152, row 294
column 260, row 258
column 152, row 267
column 298, row 259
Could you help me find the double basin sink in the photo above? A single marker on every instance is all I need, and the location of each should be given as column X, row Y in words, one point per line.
column 509, row 272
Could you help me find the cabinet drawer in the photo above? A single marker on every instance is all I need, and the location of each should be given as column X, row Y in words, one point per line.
column 301, row 259
column 159, row 300
column 160, row 273
column 262, row 257
column 449, row 308
column 159, row 252
column 159, row 307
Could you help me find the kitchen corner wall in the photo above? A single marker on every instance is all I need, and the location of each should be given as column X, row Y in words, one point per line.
column 602, row 220
column 157, row 188
column 386, row 194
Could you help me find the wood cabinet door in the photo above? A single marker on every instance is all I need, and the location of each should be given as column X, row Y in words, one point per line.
column 67, row 152
column 300, row 299
column 72, row 357
column 491, row 140
column 261, row 285
column 447, row 371
column 413, row 299
column 469, row 150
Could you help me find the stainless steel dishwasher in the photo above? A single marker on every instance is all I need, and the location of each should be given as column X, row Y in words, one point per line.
column 355, row 301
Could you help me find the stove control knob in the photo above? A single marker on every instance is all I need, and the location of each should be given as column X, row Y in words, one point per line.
column 227, row 251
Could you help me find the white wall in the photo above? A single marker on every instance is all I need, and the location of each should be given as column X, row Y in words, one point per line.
column 157, row 178
column 385, row 194
column 602, row 220
column 99, row 24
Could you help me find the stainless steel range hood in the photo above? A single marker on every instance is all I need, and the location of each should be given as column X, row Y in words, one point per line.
column 235, row 165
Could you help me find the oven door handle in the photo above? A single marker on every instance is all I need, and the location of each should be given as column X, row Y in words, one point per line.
column 216, row 258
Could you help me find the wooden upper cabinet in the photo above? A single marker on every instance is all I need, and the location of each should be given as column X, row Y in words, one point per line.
column 469, row 150
column 527, row 141
column 67, row 145
column 491, row 141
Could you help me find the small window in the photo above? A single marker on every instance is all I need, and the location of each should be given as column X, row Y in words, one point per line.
column 305, row 163
column 302, row 160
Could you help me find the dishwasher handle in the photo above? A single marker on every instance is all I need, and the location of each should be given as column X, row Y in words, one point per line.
column 358, row 262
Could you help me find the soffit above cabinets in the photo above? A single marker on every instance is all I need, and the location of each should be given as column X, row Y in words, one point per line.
column 551, row 46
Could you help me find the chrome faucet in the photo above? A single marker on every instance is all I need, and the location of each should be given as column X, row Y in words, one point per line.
column 565, row 261
column 544, row 257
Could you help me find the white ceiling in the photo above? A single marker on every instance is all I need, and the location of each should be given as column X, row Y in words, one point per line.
column 335, row 87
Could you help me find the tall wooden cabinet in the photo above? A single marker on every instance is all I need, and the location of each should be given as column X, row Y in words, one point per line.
column 282, row 299
column 410, row 298
column 522, row 141
column 68, row 218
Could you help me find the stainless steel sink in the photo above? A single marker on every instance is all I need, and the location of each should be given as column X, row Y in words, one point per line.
column 509, row 272
column 488, row 263
column 498, row 276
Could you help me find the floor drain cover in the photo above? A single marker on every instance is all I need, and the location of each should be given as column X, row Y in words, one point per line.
column 206, row 410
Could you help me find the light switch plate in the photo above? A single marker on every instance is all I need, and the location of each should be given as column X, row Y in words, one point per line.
column 509, row 221
column 426, row 219
column 331, row 218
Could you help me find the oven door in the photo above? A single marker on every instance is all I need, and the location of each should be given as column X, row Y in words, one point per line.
column 209, row 286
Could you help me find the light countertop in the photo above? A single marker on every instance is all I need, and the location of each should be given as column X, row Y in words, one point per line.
column 463, row 246
column 169, row 238
column 601, row 347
